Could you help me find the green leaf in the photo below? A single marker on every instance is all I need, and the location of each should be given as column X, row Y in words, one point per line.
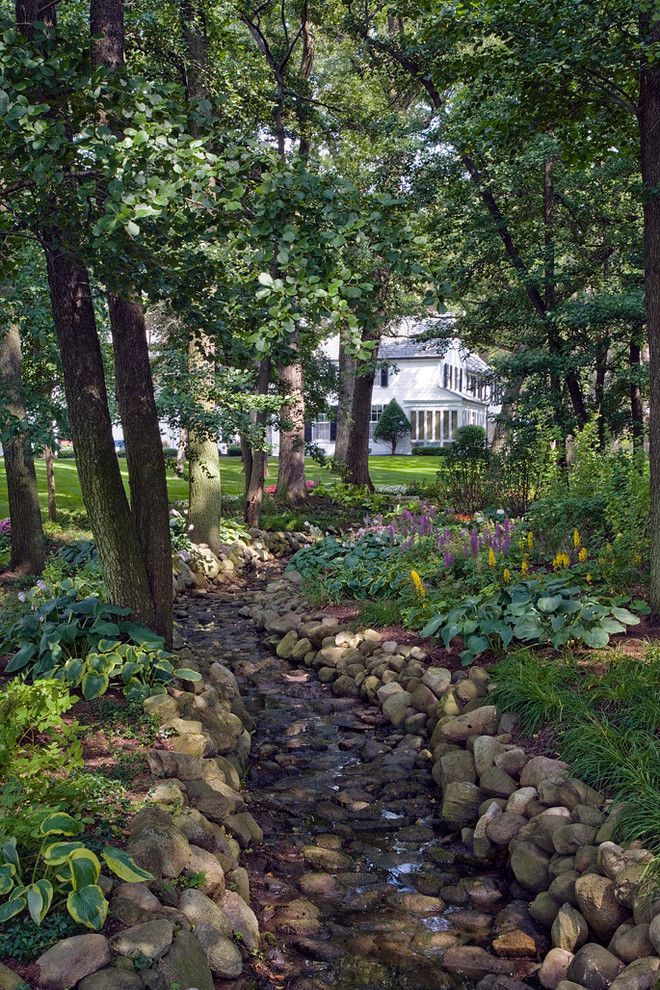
column 8, row 851
column 21, row 658
column 85, row 868
column 265, row 278
column 623, row 615
column 550, row 603
column 124, row 866
column 477, row 645
column 94, row 684
column 185, row 674
column 58, row 852
column 11, row 908
column 39, row 900
column 60, row 824
column 7, row 874
column 597, row 638
column 88, row 906
column 432, row 626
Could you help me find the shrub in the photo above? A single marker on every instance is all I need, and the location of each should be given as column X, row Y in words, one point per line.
column 234, row 450
column 430, row 451
column 393, row 425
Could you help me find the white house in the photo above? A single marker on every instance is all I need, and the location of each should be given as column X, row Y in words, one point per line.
column 439, row 385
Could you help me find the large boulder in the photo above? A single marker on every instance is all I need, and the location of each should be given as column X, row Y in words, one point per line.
column 481, row 721
column 530, row 866
column 594, row 967
column 157, row 845
column 642, row 974
column 460, row 804
column 71, row 960
column 569, row 929
column 595, row 897
column 555, row 967
column 150, row 940
column 186, row 964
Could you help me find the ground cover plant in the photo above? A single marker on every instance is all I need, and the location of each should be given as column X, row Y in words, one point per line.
column 604, row 712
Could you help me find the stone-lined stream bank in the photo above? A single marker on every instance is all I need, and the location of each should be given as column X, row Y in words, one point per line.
column 407, row 841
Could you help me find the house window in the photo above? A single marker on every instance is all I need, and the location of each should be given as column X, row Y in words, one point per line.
column 433, row 425
column 445, row 375
column 384, row 377
column 376, row 412
column 321, row 428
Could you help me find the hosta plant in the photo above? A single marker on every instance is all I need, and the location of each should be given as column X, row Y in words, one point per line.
column 63, row 872
column 542, row 610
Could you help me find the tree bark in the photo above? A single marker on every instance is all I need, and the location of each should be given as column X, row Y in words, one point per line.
column 134, row 384
column 357, row 460
column 27, row 537
column 182, row 452
column 345, row 401
column 50, row 483
column 255, row 485
column 291, row 466
column 144, row 453
column 102, row 489
column 636, row 407
column 649, row 127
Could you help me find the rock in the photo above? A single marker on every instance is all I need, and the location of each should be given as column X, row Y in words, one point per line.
column 239, row 880
column 520, row 799
column 244, row 829
column 241, row 918
column 544, row 908
column 497, row 783
column 631, row 942
column 72, row 959
column 388, row 690
column 222, row 954
column 169, row 795
column 437, row 679
column 516, row 944
column 494, row 981
column 481, row 721
column 162, row 706
column 569, row 929
column 345, row 687
column 568, row 838
column 150, row 940
column 543, row 825
column 157, row 845
column 186, row 964
column 654, row 933
column 460, row 804
column 111, row 978
column 285, row 646
column 200, row 909
column 397, row 707
column 473, row 963
column 10, row 980
column 204, row 862
column 595, row 897
column 326, row 859
column 529, row 865
column 555, row 967
column 574, row 792
column 486, row 749
column 562, row 887
column 542, row 768
column 641, row 974
column 512, row 760
column 457, row 765
column 594, row 967
column 504, row 828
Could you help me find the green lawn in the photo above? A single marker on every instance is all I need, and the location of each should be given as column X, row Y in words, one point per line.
column 384, row 471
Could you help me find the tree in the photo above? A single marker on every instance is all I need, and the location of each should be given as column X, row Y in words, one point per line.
column 27, row 538
column 393, row 425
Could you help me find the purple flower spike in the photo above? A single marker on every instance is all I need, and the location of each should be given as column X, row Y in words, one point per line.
column 474, row 542
column 448, row 558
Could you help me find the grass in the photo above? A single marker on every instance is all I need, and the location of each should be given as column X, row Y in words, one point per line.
column 384, row 470
column 605, row 715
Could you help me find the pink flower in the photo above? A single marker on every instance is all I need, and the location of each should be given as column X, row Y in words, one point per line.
column 5, row 526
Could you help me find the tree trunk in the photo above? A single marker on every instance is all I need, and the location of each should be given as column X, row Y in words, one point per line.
column 50, row 483
column 255, row 485
column 291, row 467
column 27, row 537
column 357, row 460
column 505, row 415
column 134, row 384
column 636, row 407
column 102, row 489
column 144, row 453
column 649, row 126
column 205, row 486
column 246, row 457
column 345, row 401
column 599, row 394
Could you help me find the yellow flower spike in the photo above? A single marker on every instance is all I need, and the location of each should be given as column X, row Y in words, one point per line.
column 530, row 540
column 506, row 575
column 561, row 560
column 582, row 555
column 418, row 584
column 524, row 568
column 577, row 543
column 491, row 558
column 588, row 578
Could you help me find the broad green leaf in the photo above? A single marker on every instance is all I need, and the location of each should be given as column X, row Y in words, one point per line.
column 432, row 626
column 60, row 824
column 550, row 603
column 185, row 674
column 11, row 908
column 39, row 900
column 8, row 851
column 477, row 644
column 597, row 638
column 88, row 906
column 623, row 615
column 612, row 626
column 21, row 658
column 7, row 874
column 124, row 866
column 94, row 684
column 85, row 868
column 58, row 852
